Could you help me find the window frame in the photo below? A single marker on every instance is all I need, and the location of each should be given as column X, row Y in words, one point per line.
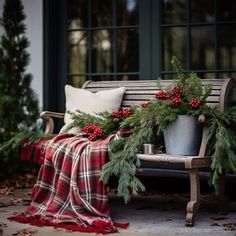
column 150, row 47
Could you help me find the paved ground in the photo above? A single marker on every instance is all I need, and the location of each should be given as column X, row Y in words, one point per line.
column 151, row 215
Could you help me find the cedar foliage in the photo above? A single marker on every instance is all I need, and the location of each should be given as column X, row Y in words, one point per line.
column 221, row 143
column 18, row 102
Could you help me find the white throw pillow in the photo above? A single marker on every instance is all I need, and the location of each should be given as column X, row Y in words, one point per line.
column 86, row 101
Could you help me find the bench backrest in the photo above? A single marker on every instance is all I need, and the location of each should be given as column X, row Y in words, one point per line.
column 138, row 91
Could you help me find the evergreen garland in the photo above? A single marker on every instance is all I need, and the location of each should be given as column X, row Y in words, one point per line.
column 221, row 143
column 144, row 123
column 108, row 122
column 123, row 153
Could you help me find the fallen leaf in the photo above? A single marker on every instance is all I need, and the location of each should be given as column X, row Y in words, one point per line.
column 229, row 226
column 6, row 204
column 30, row 176
column 25, row 232
column 3, row 224
column 7, row 190
column 16, row 200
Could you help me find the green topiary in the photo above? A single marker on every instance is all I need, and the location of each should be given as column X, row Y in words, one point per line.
column 18, row 102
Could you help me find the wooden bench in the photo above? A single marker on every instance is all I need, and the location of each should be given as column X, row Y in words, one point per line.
column 223, row 95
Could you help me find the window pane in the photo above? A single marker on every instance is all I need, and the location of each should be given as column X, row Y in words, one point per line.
column 227, row 46
column 227, row 10
column 128, row 77
column 77, row 14
column 77, row 51
column 204, row 75
column 202, row 11
column 174, row 44
column 227, row 75
column 102, row 13
column 208, row 76
column 127, row 50
column 203, row 44
column 101, row 57
column 127, row 12
column 175, row 11
column 167, row 76
column 77, row 81
column 102, row 77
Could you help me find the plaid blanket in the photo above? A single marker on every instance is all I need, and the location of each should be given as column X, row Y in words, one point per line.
column 68, row 192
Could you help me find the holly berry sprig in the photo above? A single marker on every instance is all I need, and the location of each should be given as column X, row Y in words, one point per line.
column 194, row 103
column 122, row 113
column 176, row 101
column 145, row 104
column 176, row 91
column 162, row 95
column 175, row 96
column 94, row 131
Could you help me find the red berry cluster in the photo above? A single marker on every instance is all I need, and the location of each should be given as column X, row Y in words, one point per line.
column 93, row 130
column 176, row 91
column 195, row 102
column 176, row 101
column 126, row 112
column 162, row 95
column 123, row 112
column 145, row 104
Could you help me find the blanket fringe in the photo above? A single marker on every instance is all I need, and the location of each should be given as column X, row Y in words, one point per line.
column 98, row 226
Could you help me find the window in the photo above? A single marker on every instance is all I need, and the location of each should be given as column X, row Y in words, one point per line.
column 201, row 34
column 121, row 39
column 103, row 40
column 134, row 39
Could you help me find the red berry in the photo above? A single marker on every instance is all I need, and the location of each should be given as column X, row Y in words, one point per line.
column 93, row 130
column 162, row 95
column 145, row 104
column 176, row 101
column 126, row 112
column 177, row 91
column 194, row 103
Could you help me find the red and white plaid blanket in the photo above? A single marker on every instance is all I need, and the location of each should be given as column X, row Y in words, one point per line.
column 68, row 192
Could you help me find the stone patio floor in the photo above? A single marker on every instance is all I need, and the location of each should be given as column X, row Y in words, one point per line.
column 149, row 214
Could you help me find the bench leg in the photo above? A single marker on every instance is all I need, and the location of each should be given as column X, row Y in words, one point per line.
column 193, row 204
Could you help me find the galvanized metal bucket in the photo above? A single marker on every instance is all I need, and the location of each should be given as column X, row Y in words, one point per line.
column 183, row 137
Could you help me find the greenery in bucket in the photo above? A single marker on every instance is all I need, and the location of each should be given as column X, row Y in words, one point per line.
column 185, row 96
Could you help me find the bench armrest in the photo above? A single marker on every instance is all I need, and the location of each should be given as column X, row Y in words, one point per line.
column 48, row 117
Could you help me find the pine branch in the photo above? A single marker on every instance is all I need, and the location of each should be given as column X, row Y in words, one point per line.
column 123, row 161
column 17, row 138
column 223, row 148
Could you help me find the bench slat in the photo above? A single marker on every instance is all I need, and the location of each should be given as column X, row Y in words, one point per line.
column 138, row 88
column 128, row 103
column 143, row 82
column 152, row 92
column 151, row 96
